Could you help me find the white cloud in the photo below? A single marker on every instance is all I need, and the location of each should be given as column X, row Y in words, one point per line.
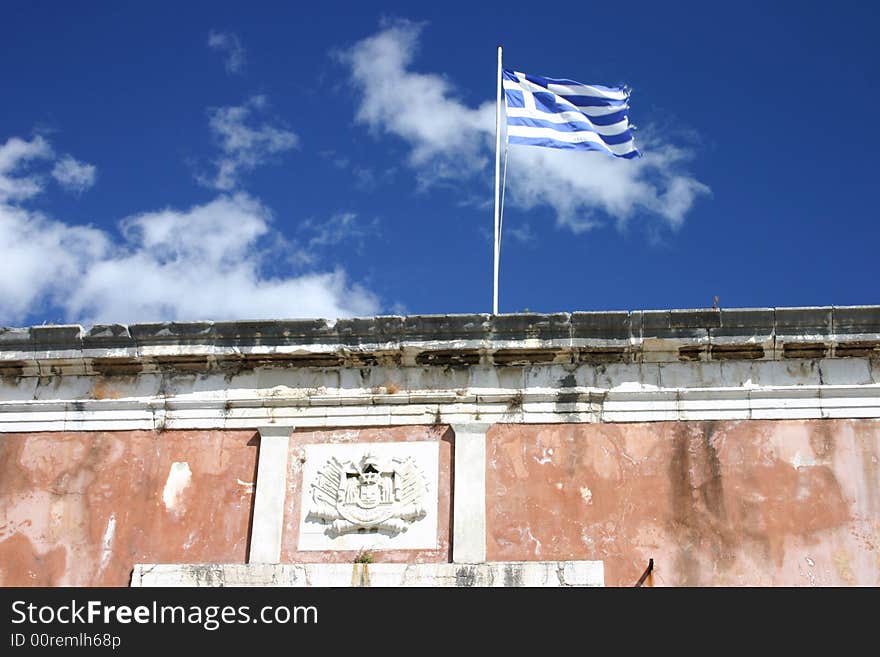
column 36, row 253
column 244, row 147
column 230, row 44
column 15, row 154
column 73, row 175
column 450, row 141
column 420, row 108
column 205, row 262
column 40, row 260
column 577, row 184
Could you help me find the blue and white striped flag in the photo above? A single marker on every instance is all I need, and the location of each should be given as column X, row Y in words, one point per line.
column 560, row 113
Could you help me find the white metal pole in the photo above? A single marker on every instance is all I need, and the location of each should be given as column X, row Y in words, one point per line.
column 497, row 185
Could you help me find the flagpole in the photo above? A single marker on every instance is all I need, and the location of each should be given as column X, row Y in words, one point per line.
column 497, row 185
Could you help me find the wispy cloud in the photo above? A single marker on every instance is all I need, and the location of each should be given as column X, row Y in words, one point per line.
column 340, row 227
column 365, row 178
column 450, row 141
column 244, row 144
column 229, row 44
column 15, row 155
column 73, row 175
column 521, row 233
column 203, row 262
column 18, row 181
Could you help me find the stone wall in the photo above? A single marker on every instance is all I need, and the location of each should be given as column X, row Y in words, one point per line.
column 791, row 503
column 83, row 508
column 731, row 446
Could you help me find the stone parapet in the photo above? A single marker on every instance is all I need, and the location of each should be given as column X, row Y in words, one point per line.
column 446, row 340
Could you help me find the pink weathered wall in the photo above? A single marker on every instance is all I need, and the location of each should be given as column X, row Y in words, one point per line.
column 293, row 507
column 713, row 503
column 82, row 508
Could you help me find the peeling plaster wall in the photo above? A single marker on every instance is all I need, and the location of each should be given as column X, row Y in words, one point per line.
column 81, row 508
column 793, row 502
column 753, row 502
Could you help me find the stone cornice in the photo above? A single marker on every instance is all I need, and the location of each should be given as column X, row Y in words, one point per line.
column 446, row 340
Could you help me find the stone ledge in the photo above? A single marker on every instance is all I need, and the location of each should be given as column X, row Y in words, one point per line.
column 490, row 574
column 446, row 340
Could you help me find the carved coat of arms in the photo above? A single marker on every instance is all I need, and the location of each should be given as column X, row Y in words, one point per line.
column 385, row 495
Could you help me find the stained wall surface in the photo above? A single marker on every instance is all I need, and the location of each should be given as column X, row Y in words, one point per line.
column 83, row 508
column 753, row 502
column 713, row 503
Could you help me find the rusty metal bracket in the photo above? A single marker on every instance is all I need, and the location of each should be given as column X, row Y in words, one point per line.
column 645, row 574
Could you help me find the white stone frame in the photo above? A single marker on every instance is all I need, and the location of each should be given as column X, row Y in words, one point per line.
column 269, row 495
column 469, row 507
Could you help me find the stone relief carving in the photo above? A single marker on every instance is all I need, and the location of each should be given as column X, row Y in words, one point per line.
column 370, row 494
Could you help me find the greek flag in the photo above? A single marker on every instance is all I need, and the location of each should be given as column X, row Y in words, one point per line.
column 560, row 113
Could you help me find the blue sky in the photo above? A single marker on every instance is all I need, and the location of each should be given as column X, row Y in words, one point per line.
column 185, row 161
